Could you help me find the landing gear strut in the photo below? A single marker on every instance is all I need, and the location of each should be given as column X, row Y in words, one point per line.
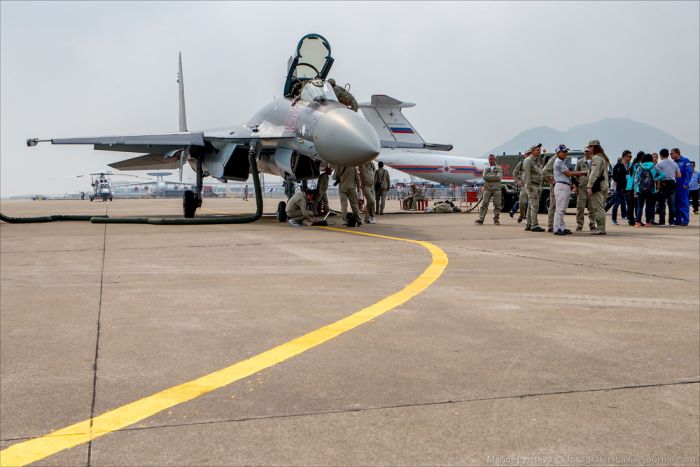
column 191, row 200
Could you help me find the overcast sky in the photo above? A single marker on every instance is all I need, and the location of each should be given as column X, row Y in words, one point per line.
column 480, row 73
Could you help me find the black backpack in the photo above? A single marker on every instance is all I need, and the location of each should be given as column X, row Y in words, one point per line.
column 646, row 181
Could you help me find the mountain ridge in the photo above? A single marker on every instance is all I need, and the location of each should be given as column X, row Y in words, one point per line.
column 615, row 135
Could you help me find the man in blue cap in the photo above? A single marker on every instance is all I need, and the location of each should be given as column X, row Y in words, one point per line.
column 562, row 189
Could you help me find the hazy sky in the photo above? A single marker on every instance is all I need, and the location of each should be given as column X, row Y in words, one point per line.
column 480, row 73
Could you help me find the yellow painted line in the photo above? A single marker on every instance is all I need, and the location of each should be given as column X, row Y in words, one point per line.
column 36, row 449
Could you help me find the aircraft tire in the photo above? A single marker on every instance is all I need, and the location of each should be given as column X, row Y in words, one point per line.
column 189, row 204
column 282, row 211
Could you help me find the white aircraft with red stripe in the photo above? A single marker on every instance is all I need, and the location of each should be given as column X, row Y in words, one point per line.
column 402, row 148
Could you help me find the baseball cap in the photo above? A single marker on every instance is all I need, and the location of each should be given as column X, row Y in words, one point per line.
column 594, row 142
column 562, row 148
column 532, row 148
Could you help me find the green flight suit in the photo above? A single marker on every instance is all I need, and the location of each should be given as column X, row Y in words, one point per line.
column 347, row 176
column 322, row 187
column 492, row 189
column 599, row 168
column 532, row 178
column 548, row 178
column 381, row 187
column 367, row 176
column 522, row 194
column 345, row 98
column 582, row 201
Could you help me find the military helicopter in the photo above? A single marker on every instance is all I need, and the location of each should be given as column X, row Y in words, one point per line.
column 102, row 186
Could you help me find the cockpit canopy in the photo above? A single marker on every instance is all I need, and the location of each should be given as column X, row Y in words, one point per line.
column 316, row 90
column 311, row 61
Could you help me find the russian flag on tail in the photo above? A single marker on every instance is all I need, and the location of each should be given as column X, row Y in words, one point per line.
column 402, row 130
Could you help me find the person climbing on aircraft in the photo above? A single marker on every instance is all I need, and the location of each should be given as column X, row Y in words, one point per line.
column 344, row 96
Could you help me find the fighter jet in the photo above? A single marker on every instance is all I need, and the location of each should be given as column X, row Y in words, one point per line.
column 402, row 148
column 289, row 137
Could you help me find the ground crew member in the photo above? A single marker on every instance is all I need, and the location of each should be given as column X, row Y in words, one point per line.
column 582, row 200
column 322, row 188
column 491, row 189
column 344, row 96
column 598, row 185
column 245, row 193
column 347, row 178
column 367, row 176
column 548, row 178
column 522, row 194
column 532, row 179
column 414, row 195
column 381, row 186
column 296, row 208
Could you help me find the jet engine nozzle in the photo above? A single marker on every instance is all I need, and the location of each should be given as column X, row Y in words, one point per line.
column 343, row 137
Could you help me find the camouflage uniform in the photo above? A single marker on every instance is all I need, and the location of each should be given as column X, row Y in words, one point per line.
column 522, row 194
column 381, row 186
column 582, row 201
column 532, row 177
column 367, row 172
column 345, row 98
column 347, row 176
column 548, row 178
column 599, row 167
column 492, row 189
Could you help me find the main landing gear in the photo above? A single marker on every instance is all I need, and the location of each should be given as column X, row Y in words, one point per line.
column 191, row 200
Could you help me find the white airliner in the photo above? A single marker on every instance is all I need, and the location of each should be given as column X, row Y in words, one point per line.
column 402, row 148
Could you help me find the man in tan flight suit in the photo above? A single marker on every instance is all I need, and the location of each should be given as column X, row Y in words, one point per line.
column 548, row 178
column 492, row 189
column 532, row 179
column 381, row 186
column 344, row 97
column 522, row 196
column 367, row 176
column 597, row 188
column 322, row 188
column 297, row 210
column 582, row 200
column 347, row 177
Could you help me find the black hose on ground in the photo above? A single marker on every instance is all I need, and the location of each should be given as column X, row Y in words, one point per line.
column 53, row 218
column 233, row 219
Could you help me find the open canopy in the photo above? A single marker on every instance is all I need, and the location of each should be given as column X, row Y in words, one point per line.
column 312, row 60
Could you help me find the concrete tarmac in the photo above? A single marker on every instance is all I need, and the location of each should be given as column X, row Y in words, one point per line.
column 529, row 348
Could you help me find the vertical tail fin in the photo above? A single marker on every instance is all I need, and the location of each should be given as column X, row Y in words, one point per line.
column 181, row 87
column 384, row 113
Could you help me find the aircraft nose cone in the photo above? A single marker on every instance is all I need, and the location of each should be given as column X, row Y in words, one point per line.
column 343, row 137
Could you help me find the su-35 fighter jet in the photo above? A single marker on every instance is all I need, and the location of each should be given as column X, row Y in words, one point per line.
column 402, row 148
column 290, row 137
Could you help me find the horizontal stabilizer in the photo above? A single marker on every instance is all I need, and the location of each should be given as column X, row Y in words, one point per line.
column 147, row 162
column 380, row 100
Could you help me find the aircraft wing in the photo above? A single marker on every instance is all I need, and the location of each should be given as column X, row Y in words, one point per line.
column 167, row 142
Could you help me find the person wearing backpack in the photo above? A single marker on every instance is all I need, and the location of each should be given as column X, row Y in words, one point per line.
column 645, row 179
column 631, row 194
